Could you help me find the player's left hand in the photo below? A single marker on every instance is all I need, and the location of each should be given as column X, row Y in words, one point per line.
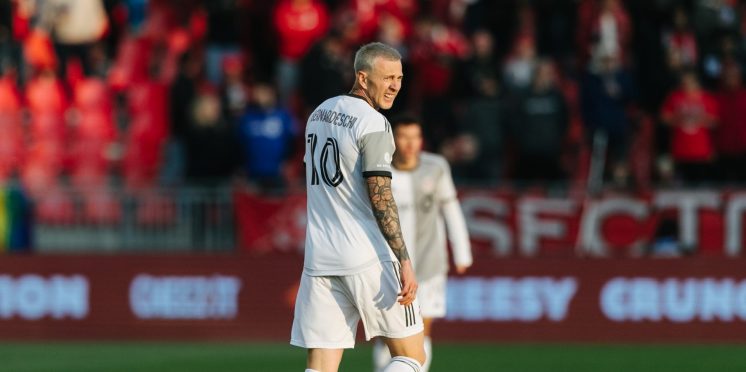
column 408, row 284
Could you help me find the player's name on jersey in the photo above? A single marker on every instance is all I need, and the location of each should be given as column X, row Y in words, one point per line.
column 334, row 118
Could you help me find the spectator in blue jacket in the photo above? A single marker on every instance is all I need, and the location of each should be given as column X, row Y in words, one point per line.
column 266, row 132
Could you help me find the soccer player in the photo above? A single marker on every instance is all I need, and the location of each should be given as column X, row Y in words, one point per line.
column 357, row 265
column 426, row 196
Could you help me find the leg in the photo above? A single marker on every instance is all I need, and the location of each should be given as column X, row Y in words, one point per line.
column 410, row 347
column 324, row 360
column 381, row 355
column 432, row 297
column 325, row 321
column 400, row 327
column 428, row 323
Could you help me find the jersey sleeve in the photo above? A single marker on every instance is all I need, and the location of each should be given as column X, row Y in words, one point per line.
column 446, row 190
column 456, row 228
column 376, row 149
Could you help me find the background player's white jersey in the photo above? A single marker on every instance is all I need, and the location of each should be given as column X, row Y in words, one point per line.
column 346, row 141
column 427, row 202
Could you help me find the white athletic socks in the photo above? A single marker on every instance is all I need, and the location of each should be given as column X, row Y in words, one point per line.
column 428, row 354
column 311, row 370
column 403, row 364
column 381, row 355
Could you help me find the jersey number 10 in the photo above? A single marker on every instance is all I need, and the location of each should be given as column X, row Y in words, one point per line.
column 330, row 146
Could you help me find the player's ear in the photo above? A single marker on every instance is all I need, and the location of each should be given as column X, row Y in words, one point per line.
column 362, row 79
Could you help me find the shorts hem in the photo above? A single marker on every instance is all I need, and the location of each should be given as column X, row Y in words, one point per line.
column 322, row 345
column 433, row 315
column 403, row 334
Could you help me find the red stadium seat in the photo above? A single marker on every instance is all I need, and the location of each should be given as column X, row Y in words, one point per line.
column 45, row 94
column 95, row 125
column 92, row 95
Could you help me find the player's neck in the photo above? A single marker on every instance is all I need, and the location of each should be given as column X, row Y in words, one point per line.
column 405, row 164
column 360, row 92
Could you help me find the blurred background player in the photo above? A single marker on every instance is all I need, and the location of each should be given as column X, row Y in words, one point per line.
column 424, row 190
column 357, row 266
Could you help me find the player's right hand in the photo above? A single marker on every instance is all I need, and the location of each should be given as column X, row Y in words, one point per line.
column 408, row 283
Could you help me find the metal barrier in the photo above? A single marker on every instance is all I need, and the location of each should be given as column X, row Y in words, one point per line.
column 163, row 220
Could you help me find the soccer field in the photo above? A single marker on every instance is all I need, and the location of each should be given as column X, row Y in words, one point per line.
column 228, row 357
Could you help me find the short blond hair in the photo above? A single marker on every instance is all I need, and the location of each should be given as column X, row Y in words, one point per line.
column 367, row 53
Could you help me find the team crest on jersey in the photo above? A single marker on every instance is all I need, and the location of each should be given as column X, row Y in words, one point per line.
column 428, row 185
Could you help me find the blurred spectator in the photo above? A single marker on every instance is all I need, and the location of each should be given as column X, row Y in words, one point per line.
column 604, row 27
column 730, row 134
column 323, row 69
column 680, row 41
column 479, row 74
column 182, row 93
column 691, row 112
column 266, row 134
column 10, row 52
column 539, row 123
column 555, row 27
column 393, row 32
column 212, row 152
column 520, row 66
column 365, row 15
column 607, row 92
column 726, row 49
column 435, row 51
column 136, row 13
column 75, row 26
column 484, row 117
column 713, row 17
column 223, row 35
column 233, row 92
column 299, row 24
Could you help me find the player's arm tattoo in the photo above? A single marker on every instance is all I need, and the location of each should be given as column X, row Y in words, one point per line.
column 387, row 214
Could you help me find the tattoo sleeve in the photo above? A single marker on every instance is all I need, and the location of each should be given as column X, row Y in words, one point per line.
column 387, row 214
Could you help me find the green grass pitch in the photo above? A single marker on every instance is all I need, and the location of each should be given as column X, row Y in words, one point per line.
column 272, row 357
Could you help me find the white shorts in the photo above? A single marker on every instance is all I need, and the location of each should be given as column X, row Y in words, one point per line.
column 328, row 308
column 432, row 296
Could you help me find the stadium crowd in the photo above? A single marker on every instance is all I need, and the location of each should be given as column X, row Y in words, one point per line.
column 170, row 92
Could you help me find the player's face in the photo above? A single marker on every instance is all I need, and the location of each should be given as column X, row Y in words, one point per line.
column 408, row 139
column 383, row 82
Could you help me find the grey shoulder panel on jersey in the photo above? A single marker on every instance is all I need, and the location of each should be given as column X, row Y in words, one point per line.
column 376, row 149
column 434, row 160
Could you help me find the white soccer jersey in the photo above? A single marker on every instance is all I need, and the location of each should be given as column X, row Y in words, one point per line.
column 346, row 141
column 427, row 201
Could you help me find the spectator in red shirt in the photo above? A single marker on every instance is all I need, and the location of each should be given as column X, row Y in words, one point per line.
column 691, row 112
column 730, row 136
column 299, row 24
